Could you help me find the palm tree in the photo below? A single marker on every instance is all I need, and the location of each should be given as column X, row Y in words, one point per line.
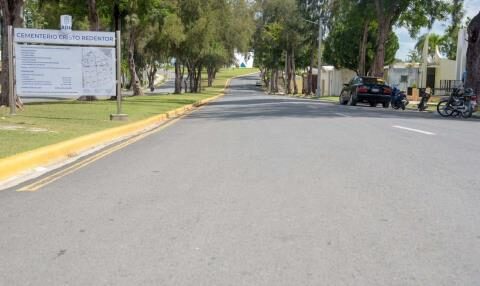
column 434, row 40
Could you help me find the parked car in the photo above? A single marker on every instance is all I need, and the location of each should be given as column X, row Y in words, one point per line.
column 371, row 90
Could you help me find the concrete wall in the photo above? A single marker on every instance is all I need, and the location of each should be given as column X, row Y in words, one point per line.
column 332, row 80
column 338, row 78
column 395, row 75
column 446, row 70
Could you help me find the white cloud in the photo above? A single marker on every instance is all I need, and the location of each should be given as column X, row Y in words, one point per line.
column 472, row 7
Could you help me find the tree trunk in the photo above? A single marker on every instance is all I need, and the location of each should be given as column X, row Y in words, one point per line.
column 384, row 27
column 310, row 76
column 152, row 71
column 191, row 77
column 178, row 78
column 11, row 11
column 379, row 60
column 272, row 81
column 211, row 75
column 285, row 72
column 198, row 79
column 289, row 74
column 473, row 56
column 276, row 80
column 295, row 87
column 135, row 81
column 363, row 50
column 93, row 15
column 265, row 77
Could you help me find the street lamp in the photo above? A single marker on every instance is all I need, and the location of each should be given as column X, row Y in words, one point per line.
column 319, row 70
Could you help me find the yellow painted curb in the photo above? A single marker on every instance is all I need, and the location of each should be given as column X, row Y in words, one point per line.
column 15, row 165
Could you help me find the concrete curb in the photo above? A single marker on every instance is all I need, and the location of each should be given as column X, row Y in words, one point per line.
column 20, row 164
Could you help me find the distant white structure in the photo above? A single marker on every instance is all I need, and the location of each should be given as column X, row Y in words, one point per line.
column 243, row 60
column 435, row 72
column 332, row 80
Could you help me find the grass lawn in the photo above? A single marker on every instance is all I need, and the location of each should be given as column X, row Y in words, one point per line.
column 42, row 124
column 328, row 98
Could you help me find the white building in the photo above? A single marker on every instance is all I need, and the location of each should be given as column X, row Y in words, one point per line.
column 244, row 60
column 403, row 75
column 441, row 74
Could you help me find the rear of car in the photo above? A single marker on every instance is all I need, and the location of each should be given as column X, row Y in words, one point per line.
column 373, row 90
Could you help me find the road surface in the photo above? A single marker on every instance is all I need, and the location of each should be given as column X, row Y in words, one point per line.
column 260, row 190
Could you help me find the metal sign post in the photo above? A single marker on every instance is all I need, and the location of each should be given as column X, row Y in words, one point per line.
column 119, row 83
column 119, row 116
column 11, row 81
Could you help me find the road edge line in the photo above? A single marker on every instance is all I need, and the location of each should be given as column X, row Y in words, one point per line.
column 21, row 164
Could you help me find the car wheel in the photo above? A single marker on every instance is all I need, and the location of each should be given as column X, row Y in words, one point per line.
column 353, row 100
column 386, row 104
column 372, row 103
column 341, row 101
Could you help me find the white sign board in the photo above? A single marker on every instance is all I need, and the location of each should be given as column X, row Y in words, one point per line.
column 61, row 71
column 82, row 38
column 66, row 23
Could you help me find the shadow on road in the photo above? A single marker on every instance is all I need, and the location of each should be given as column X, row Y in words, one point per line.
column 247, row 101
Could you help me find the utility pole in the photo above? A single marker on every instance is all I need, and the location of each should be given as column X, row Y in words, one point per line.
column 319, row 72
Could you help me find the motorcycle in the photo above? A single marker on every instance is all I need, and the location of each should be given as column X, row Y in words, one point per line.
column 425, row 94
column 399, row 99
column 460, row 103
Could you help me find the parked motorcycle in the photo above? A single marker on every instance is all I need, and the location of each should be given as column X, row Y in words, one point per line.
column 425, row 94
column 399, row 99
column 460, row 103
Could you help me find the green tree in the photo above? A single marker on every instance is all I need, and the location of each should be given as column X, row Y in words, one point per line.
column 434, row 40
column 313, row 10
column 51, row 10
column 268, row 46
column 338, row 55
column 356, row 27
column 277, row 38
column 449, row 48
column 143, row 17
column 414, row 56
column 411, row 14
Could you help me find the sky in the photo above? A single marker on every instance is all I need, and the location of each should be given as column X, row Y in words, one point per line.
column 472, row 7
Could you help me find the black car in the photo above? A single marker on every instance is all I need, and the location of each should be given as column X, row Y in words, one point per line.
column 370, row 90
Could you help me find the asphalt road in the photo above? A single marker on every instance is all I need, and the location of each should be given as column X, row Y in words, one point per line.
column 260, row 190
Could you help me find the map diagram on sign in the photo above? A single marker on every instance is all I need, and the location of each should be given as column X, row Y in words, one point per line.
column 97, row 67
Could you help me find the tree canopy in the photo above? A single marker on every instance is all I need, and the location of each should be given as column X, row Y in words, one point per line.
column 203, row 35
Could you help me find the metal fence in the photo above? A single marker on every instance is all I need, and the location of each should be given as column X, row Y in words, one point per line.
column 446, row 87
column 449, row 85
